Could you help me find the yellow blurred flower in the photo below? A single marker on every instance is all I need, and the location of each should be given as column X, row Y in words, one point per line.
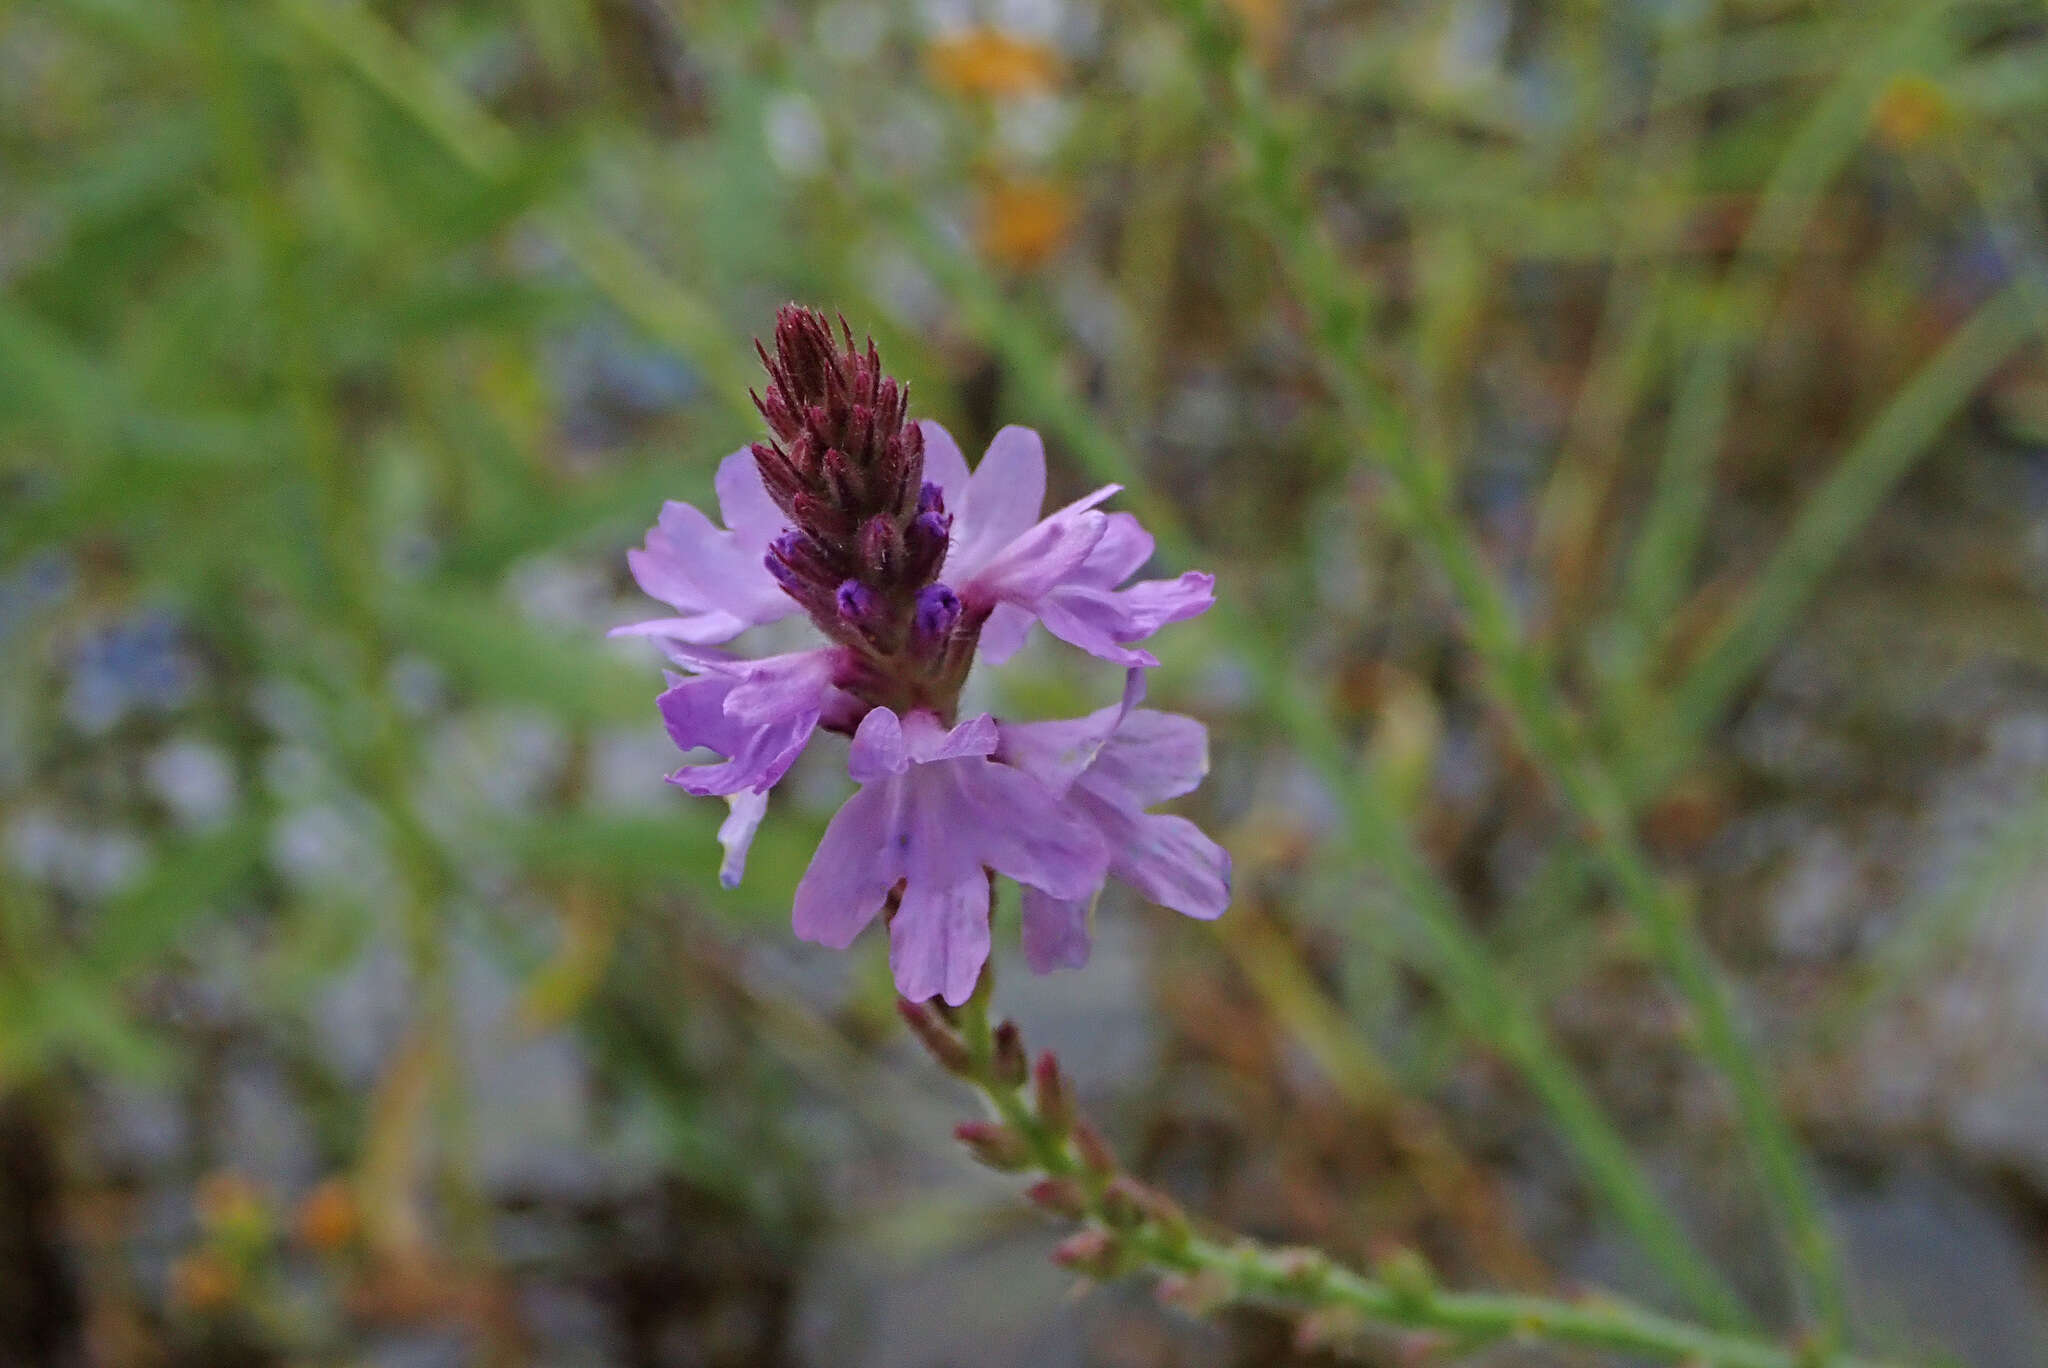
column 986, row 61
column 1911, row 109
column 1021, row 223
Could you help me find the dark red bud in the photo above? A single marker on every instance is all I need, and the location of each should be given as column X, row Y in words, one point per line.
column 882, row 553
column 924, row 546
column 994, row 1144
column 843, row 479
column 1060, row 1196
column 1053, row 1101
column 1096, row 1253
column 943, row 1043
column 1010, row 1063
column 1093, row 1150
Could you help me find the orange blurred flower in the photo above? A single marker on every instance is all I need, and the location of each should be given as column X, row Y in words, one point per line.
column 202, row 1282
column 327, row 1219
column 985, row 61
column 1911, row 109
column 230, row 1206
column 1261, row 20
column 1021, row 223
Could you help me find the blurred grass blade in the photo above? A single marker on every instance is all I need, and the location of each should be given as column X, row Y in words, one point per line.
column 1669, row 540
column 613, row 265
column 1899, row 436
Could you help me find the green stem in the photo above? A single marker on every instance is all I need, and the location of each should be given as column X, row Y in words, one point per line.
column 1224, row 1270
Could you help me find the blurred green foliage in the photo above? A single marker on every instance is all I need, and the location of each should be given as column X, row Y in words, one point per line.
column 1527, row 373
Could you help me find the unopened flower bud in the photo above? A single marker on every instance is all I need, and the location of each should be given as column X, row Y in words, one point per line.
column 843, row 479
column 881, row 549
column 1050, row 1096
column 859, row 606
column 822, row 517
column 938, row 612
column 1060, row 1196
column 1094, row 1150
column 1010, row 1064
column 944, row 1044
column 931, row 499
column 1095, row 1253
column 1198, row 1294
column 924, row 545
column 994, row 1144
column 1128, row 1203
column 1121, row 1207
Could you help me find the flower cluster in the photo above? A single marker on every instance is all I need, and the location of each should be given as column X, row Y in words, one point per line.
column 911, row 568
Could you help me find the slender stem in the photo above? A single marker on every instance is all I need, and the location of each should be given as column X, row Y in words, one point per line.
column 1128, row 1228
column 1520, row 679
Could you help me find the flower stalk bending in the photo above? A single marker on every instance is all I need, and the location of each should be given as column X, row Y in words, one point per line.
column 1128, row 1227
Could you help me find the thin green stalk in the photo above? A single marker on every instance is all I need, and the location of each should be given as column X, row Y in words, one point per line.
column 1668, row 543
column 1867, row 474
column 343, row 568
column 1128, row 1227
column 1521, row 681
column 1475, row 988
column 492, row 152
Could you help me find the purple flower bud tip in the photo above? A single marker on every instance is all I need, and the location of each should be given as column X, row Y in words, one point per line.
column 779, row 567
column 858, row 604
column 938, row 608
column 931, row 499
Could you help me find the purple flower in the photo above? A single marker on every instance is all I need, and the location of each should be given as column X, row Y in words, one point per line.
column 758, row 715
column 935, row 813
column 1063, row 570
column 1108, row 768
column 717, row 580
column 909, row 566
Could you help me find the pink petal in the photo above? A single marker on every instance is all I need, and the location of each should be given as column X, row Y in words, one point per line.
column 1122, row 552
column 1154, row 756
column 931, row 742
column 1151, row 604
column 1058, row 753
column 736, row 834
column 1018, row 828
column 1037, row 562
column 715, row 577
column 944, row 466
column 1005, row 633
column 756, row 755
column 782, row 686
column 1055, row 932
column 702, row 629
column 1000, row 503
column 743, row 501
column 1172, row 863
column 879, row 749
column 939, row 940
column 1094, row 621
column 852, row 872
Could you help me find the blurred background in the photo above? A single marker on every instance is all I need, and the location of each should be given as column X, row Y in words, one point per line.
column 367, row 999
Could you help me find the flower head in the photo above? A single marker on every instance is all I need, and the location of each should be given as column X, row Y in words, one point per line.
column 909, row 566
